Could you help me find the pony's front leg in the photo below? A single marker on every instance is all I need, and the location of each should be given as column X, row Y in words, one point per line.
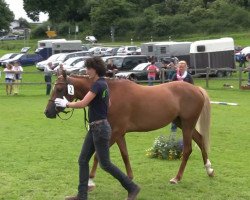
column 187, row 150
column 91, row 183
column 121, row 142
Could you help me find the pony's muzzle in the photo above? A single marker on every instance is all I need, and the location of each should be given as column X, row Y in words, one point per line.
column 49, row 114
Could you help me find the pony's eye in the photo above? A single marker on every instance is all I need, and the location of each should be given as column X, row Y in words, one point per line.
column 59, row 90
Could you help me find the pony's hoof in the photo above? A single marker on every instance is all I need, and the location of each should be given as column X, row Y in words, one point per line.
column 91, row 188
column 211, row 174
column 91, row 185
column 174, row 181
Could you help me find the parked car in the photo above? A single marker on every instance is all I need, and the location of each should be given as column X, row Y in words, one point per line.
column 78, row 68
column 81, row 68
column 7, row 56
column 125, row 63
column 112, row 51
column 97, row 51
column 41, row 65
column 126, row 50
column 137, row 52
column 65, row 56
column 69, row 64
column 91, row 39
column 25, row 59
column 139, row 72
column 10, row 37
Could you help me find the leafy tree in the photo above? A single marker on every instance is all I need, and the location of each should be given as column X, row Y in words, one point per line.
column 142, row 18
column 6, row 16
column 108, row 13
column 173, row 6
column 23, row 23
column 242, row 3
column 66, row 10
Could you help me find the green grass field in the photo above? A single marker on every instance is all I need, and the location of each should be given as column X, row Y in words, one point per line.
column 39, row 155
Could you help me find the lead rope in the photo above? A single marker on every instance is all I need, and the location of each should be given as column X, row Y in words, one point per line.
column 86, row 119
column 66, row 112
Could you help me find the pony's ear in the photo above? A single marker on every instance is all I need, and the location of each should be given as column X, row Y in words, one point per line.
column 64, row 74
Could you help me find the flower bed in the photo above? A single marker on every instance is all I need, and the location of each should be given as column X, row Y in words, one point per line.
column 166, row 147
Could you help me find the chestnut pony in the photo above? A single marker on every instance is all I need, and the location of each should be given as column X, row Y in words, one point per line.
column 138, row 108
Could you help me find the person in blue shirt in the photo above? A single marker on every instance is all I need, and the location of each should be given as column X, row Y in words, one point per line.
column 97, row 138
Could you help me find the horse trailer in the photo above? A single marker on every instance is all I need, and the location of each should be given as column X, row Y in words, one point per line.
column 161, row 50
column 46, row 48
column 217, row 55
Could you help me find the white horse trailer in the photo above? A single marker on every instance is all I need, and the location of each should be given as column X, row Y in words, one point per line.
column 215, row 54
column 46, row 48
column 161, row 50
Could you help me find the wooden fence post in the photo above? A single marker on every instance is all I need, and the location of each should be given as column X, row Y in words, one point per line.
column 207, row 77
column 240, row 77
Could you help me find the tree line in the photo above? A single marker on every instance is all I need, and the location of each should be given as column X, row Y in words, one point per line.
column 141, row 19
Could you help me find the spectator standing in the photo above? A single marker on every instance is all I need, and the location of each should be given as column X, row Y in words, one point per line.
column 48, row 71
column 111, row 69
column 170, row 68
column 98, row 136
column 17, row 68
column 248, row 68
column 152, row 71
column 9, row 78
column 60, row 69
column 181, row 75
column 242, row 60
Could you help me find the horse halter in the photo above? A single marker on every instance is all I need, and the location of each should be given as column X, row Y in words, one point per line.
column 63, row 111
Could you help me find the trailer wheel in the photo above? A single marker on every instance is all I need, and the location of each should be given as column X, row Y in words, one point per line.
column 228, row 73
column 220, row 74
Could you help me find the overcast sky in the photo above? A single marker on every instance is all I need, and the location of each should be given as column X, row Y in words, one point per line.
column 16, row 6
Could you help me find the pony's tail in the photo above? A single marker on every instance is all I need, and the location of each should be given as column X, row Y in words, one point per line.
column 203, row 123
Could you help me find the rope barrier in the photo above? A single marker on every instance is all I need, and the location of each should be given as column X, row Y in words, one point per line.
column 224, row 103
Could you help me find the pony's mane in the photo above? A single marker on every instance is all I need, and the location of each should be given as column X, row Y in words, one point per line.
column 107, row 78
column 79, row 76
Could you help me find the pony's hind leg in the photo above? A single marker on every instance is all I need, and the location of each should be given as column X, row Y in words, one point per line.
column 199, row 141
column 187, row 150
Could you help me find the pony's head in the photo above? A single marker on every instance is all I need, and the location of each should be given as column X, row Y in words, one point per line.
column 61, row 88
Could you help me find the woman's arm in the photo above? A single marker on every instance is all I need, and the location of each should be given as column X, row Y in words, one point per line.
column 83, row 103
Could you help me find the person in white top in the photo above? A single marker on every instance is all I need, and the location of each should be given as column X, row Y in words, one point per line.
column 48, row 71
column 17, row 68
column 9, row 78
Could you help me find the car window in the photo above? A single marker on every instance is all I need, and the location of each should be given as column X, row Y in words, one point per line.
column 128, row 63
column 121, row 49
column 132, row 48
column 117, row 61
column 6, row 56
column 76, row 61
column 18, row 56
column 141, row 66
column 69, row 56
column 61, row 57
column 13, row 55
column 53, row 57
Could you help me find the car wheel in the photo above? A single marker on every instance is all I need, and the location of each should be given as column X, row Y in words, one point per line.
column 220, row 74
column 133, row 78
